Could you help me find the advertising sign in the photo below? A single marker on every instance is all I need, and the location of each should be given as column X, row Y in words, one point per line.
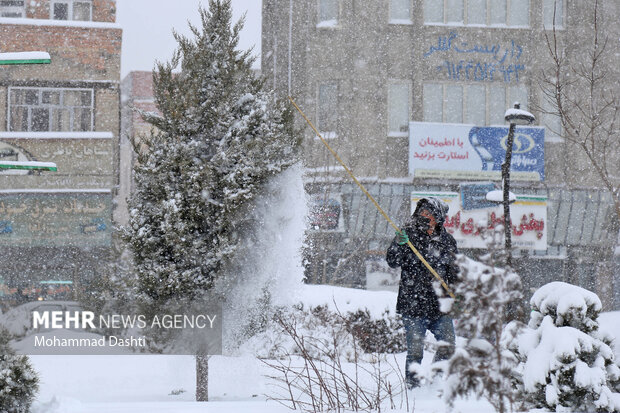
column 55, row 219
column 326, row 213
column 474, row 195
column 528, row 215
column 457, row 151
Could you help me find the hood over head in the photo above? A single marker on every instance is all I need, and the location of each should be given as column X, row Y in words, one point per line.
column 435, row 206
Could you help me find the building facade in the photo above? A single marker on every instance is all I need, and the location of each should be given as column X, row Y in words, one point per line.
column 57, row 227
column 137, row 97
column 390, row 84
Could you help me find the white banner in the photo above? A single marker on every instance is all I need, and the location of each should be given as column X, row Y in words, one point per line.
column 458, row 151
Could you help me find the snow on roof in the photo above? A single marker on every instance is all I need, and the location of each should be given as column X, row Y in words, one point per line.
column 25, row 56
column 56, row 191
column 56, row 135
column 62, row 23
column 27, row 164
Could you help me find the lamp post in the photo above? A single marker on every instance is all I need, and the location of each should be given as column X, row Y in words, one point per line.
column 515, row 116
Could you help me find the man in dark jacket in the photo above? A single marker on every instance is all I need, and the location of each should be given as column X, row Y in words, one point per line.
column 417, row 301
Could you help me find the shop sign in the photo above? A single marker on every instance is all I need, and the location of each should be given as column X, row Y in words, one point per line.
column 32, row 219
column 467, row 152
column 473, row 196
column 326, row 213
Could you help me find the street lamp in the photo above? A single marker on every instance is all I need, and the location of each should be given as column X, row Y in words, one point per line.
column 515, row 116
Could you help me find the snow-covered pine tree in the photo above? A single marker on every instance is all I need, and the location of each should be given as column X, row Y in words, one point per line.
column 19, row 382
column 219, row 138
column 487, row 297
column 565, row 360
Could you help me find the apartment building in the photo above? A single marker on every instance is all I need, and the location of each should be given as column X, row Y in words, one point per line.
column 137, row 98
column 56, row 228
column 401, row 88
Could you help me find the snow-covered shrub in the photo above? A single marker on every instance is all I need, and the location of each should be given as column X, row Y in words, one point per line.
column 18, row 380
column 324, row 369
column 486, row 297
column 383, row 335
column 355, row 331
column 566, row 363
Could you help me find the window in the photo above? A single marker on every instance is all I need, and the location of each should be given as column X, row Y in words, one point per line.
column 553, row 8
column 475, row 103
column 514, row 13
column 453, row 104
column 50, row 109
column 328, row 109
column 433, row 102
column 71, row 10
column 480, row 105
column 477, row 12
column 398, row 109
column 400, row 11
column 519, row 13
column 433, row 11
column 11, row 8
column 329, row 11
column 454, row 11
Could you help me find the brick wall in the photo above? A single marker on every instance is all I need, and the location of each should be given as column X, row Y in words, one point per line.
column 76, row 52
column 103, row 10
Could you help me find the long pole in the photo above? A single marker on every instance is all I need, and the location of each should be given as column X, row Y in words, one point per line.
column 506, row 201
column 415, row 251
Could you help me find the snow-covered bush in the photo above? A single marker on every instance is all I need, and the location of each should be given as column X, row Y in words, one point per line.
column 486, row 298
column 381, row 335
column 310, row 373
column 18, row 380
column 565, row 361
column 356, row 332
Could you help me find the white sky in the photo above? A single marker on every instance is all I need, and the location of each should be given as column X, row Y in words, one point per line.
column 147, row 28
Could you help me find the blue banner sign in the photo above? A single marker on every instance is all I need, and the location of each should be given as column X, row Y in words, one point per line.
column 457, row 151
column 474, row 195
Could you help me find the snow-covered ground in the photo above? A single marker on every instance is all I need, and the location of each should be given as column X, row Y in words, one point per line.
column 165, row 384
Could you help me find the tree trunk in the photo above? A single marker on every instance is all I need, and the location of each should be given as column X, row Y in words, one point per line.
column 202, row 378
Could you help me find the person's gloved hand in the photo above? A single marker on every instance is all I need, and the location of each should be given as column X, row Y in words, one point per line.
column 401, row 237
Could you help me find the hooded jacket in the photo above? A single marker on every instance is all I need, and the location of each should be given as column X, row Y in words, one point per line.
column 416, row 295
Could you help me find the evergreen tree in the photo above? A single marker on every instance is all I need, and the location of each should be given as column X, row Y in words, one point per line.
column 566, row 362
column 219, row 138
column 486, row 299
column 18, row 380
